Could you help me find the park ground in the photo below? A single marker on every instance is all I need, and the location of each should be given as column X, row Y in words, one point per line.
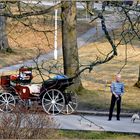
column 96, row 135
column 26, row 44
column 100, row 78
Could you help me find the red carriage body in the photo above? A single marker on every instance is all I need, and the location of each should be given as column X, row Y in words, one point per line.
column 52, row 94
column 18, row 82
column 5, row 81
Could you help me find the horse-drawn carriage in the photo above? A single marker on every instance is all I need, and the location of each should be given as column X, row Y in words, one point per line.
column 52, row 94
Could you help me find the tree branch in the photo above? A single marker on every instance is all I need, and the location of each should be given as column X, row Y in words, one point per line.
column 33, row 13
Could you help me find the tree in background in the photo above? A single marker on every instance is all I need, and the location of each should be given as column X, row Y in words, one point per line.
column 128, row 16
column 4, row 46
column 137, row 84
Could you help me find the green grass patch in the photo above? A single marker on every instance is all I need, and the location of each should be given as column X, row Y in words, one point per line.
column 100, row 100
column 93, row 100
column 66, row 134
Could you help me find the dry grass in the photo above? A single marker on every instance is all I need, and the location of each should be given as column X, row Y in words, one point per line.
column 27, row 43
column 24, row 41
column 101, row 77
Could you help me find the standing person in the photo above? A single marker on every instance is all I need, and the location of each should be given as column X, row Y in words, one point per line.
column 117, row 90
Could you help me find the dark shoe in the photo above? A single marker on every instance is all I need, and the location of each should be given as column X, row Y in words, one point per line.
column 118, row 119
column 109, row 119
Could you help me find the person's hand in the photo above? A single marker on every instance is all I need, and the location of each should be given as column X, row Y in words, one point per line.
column 116, row 96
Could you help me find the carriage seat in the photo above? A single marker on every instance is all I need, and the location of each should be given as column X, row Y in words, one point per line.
column 34, row 89
column 25, row 91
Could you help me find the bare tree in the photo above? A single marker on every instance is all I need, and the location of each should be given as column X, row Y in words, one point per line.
column 130, row 30
column 69, row 39
column 4, row 46
column 137, row 84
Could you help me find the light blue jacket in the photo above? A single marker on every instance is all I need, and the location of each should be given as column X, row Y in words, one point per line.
column 117, row 88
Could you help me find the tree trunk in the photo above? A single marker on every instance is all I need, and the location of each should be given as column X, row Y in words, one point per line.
column 137, row 84
column 4, row 46
column 69, row 40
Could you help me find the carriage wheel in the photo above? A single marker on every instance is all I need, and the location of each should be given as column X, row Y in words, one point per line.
column 53, row 102
column 7, row 102
column 71, row 103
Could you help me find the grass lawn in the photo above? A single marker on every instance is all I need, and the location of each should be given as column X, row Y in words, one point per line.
column 96, row 93
column 26, row 44
column 97, row 83
column 65, row 134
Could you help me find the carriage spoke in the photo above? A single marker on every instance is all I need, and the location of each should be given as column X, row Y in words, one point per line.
column 59, row 99
column 7, row 102
column 71, row 107
column 2, row 101
column 2, row 105
column 10, row 98
column 12, row 104
column 71, row 103
column 9, row 107
column 67, row 109
column 47, row 100
column 11, row 101
column 48, row 104
column 50, row 107
column 3, row 98
column 53, row 94
column 57, row 108
column 56, row 96
column 6, row 98
column 56, row 100
column 59, row 104
column 53, row 109
column 49, row 96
